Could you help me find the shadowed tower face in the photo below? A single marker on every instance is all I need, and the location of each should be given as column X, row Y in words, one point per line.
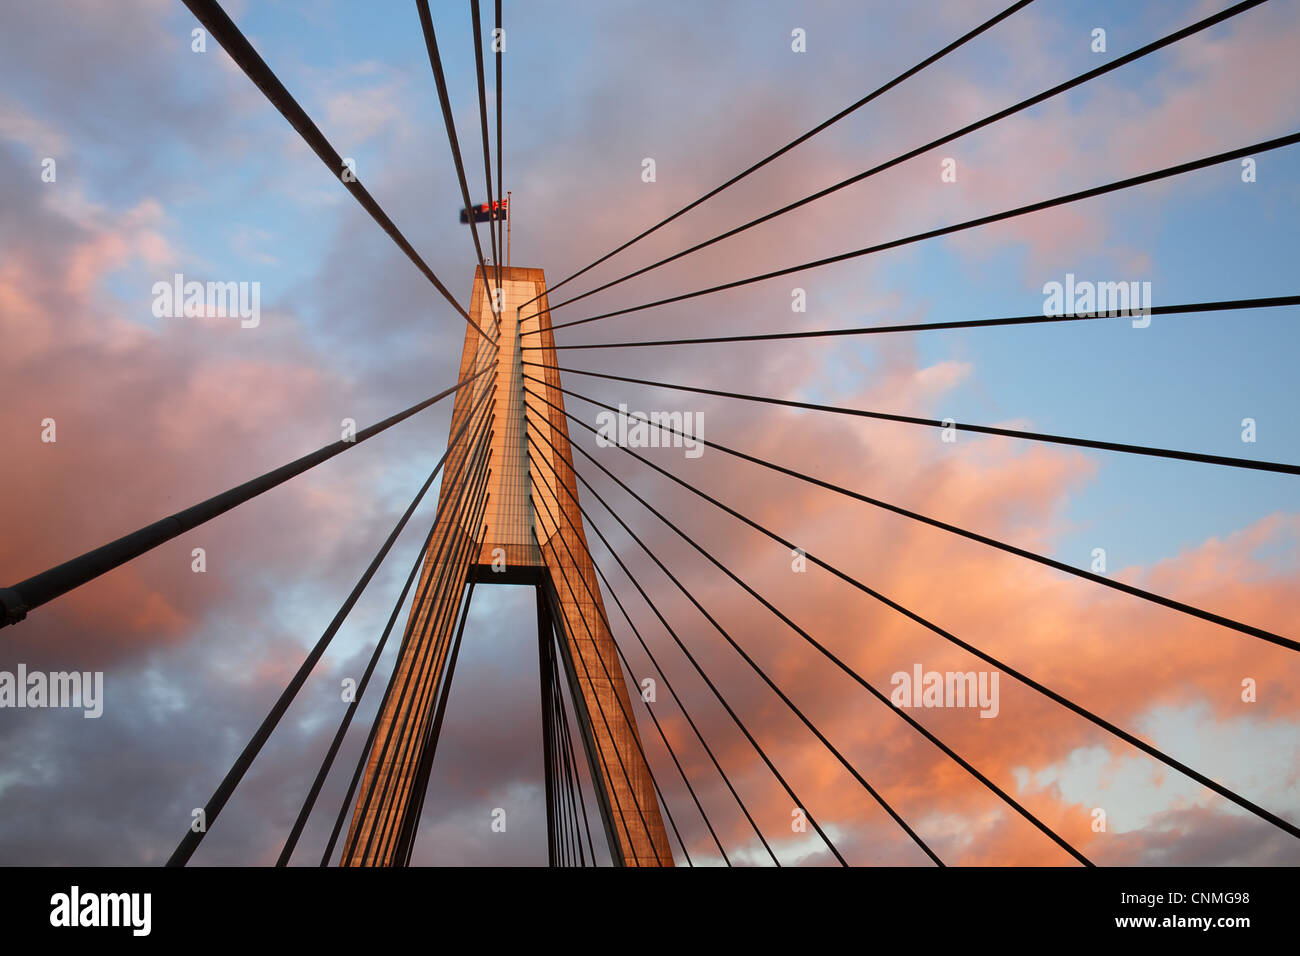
column 507, row 514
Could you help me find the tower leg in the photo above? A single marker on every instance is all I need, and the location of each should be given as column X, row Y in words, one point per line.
column 546, row 665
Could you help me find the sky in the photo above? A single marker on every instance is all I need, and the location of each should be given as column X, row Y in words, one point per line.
column 169, row 160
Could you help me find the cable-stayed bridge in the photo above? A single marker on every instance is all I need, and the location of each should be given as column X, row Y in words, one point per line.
column 515, row 506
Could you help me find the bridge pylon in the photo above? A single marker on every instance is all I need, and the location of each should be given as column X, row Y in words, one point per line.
column 503, row 518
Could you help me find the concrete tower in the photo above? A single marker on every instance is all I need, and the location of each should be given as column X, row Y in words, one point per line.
column 503, row 518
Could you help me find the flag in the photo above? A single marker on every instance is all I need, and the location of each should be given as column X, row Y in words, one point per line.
column 487, row 211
